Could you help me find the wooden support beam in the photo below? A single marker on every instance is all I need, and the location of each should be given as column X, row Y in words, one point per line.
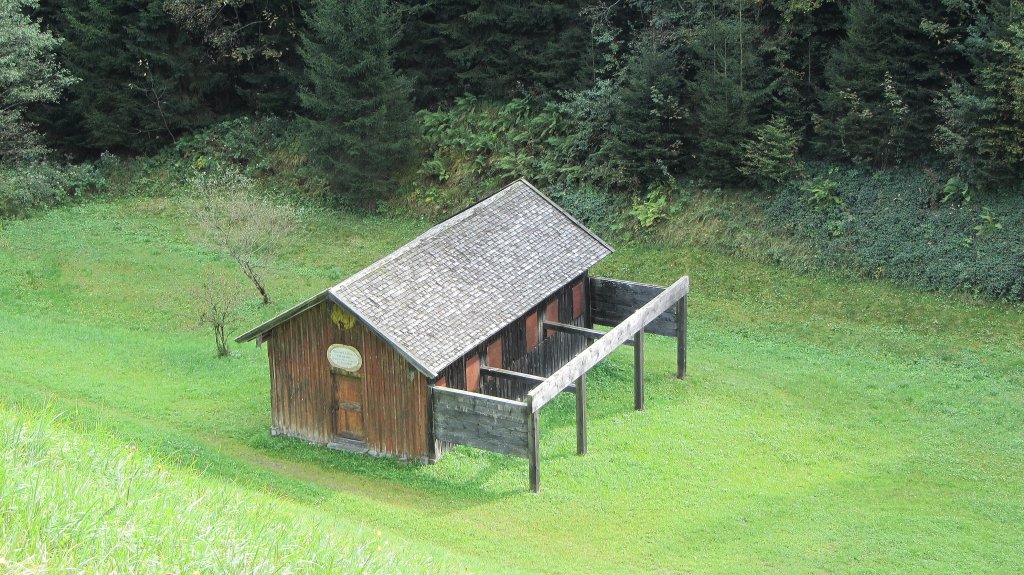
column 509, row 374
column 681, row 338
column 533, row 446
column 601, row 348
column 591, row 334
column 638, row 371
column 581, row 415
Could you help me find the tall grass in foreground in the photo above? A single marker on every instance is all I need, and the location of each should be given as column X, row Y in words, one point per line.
column 85, row 503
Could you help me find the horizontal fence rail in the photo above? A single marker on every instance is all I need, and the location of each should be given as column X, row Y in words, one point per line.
column 603, row 347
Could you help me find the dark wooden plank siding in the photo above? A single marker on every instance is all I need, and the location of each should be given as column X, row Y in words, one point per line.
column 612, row 301
column 303, row 393
column 485, row 422
column 397, row 413
column 544, row 357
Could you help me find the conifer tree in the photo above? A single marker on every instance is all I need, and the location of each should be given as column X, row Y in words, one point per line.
column 357, row 118
column 423, row 51
column 143, row 80
column 644, row 134
column 503, row 48
column 981, row 133
column 882, row 80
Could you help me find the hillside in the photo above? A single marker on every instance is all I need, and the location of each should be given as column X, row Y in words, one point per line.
column 825, row 426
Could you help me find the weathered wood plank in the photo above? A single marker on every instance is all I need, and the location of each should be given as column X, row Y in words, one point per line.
column 506, row 373
column 611, row 314
column 533, row 445
column 612, row 301
column 601, row 348
column 625, row 292
column 681, row 337
column 581, row 415
column 490, row 423
column 588, row 333
column 638, row 371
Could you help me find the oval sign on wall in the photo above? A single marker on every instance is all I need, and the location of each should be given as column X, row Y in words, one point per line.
column 344, row 357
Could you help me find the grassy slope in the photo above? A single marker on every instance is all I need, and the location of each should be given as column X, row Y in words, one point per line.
column 87, row 503
column 825, row 427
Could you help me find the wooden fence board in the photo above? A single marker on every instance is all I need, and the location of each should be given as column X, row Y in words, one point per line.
column 615, row 300
column 491, row 423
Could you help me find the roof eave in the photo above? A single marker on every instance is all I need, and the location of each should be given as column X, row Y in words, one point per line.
column 384, row 336
column 282, row 317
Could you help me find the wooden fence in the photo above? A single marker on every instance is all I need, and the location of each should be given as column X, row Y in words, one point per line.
column 491, row 423
column 507, row 420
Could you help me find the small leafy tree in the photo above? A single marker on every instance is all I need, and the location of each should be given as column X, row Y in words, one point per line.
column 29, row 73
column 216, row 302
column 250, row 228
column 770, row 157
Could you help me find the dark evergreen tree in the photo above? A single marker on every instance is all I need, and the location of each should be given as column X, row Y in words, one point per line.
column 357, row 115
column 253, row 42
column 423, row 52
column 796, row 39
column 644, row 137
column 981, row 134
column 501, row 49
column 143, row 80
column 883, row 78
column 732, row 82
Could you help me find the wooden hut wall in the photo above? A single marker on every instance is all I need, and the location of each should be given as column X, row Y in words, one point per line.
column 393, row 399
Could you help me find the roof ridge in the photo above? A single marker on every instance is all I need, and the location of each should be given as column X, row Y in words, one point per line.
column 462, row 280
column 431, row 232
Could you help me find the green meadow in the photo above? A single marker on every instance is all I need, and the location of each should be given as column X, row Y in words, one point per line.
column 826, row 426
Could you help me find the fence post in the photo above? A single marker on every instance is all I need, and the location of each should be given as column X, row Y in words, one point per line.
column 681, row 338
column 534, row 445
column 638, row 370
column 581, row 415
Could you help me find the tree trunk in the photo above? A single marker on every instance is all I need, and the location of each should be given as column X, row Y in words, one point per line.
column 263, row 291
column 250, row 273
column 222, row 341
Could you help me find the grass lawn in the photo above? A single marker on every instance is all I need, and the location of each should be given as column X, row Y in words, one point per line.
column 825, row 427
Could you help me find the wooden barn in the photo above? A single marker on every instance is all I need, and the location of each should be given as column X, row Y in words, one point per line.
column 461, row 335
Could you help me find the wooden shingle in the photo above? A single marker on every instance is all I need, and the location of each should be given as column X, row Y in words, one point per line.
column 460, row 282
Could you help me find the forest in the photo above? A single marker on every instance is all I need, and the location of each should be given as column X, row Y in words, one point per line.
column 631, row 113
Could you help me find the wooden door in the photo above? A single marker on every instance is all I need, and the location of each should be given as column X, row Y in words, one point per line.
column 348, row 405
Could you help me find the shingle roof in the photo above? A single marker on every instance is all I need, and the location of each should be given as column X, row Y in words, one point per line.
column 460, row 282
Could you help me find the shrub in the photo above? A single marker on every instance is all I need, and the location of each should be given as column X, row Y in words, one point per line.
column 41, row 185
column 888, row 225
column 592, row 207
column 216, row 301
column 249, row 144
column 476, row 147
